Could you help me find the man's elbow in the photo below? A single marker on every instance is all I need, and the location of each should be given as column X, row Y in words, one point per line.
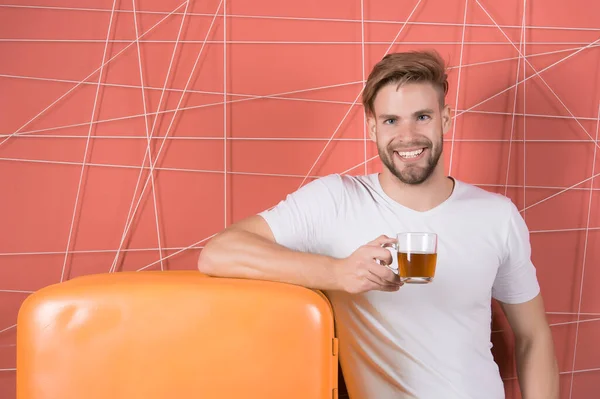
column 542, row 337
column 208, row 259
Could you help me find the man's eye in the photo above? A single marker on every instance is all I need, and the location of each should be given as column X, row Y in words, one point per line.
column 389, row 121
column 423, row 117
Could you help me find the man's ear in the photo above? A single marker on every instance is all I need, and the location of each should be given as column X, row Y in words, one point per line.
column 372, row 126
column 446, row 119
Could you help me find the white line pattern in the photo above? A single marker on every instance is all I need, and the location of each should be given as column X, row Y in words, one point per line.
column 87, row 144
column 295, row 18
column 181, row 94
column 585, row 253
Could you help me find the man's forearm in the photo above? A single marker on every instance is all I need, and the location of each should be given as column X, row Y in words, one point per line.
column 537, row 368
column 238, row 253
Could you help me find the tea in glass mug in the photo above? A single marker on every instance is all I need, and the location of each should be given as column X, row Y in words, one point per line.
column 417, row 257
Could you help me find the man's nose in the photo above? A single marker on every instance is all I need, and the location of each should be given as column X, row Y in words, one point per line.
column 406, row 130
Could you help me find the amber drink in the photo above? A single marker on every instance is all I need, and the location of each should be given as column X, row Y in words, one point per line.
column 417, row 257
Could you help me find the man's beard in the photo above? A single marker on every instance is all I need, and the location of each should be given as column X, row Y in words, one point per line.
column 412, row 174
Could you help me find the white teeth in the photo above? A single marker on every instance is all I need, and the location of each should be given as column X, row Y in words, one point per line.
column 411, row 154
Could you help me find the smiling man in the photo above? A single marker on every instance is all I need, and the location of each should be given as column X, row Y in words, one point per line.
column 426, row 341
column 424, row 115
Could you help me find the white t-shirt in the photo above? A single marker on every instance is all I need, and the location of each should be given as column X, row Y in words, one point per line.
column 425, row 341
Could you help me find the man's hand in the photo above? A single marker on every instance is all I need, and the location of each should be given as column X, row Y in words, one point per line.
column 360, row 272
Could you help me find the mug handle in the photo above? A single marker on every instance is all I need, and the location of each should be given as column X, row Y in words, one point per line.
column 393, row 246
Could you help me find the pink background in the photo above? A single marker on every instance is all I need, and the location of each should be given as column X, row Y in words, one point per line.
column 243, row 101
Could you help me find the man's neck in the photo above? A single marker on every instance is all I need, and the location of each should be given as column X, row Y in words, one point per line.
column 419, row 197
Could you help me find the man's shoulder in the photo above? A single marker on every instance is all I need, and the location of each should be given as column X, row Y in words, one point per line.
column 480, row 197
column 341, row 188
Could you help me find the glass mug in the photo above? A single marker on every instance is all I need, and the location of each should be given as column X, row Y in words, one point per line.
column 417, row 257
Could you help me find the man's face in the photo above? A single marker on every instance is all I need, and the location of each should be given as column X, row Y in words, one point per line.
column 408, row 125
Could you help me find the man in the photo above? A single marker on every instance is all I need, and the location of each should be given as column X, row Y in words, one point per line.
column 397, row 340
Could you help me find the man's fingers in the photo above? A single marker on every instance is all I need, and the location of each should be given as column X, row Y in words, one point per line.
column 378, row 285
column 382, row 240
column 380, row 270
column 379, row 253
column 376, row 279
column 385, row 258
column 385, row 275
column 392, row 280
column 390, row 288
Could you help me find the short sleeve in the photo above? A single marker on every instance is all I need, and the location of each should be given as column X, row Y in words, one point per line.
column 305, row 217
column 516, row 280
